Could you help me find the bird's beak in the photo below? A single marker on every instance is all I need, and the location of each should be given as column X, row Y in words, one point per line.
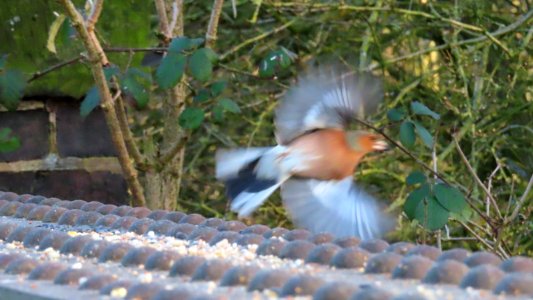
column 380, row 145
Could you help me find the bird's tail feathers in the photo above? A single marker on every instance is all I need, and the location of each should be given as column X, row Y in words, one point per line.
column 250, row 175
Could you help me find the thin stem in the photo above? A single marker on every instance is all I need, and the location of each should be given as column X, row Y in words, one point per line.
column 163, row 19
column 211, row 34
column 128, row 136
column 50, row 69
column 96, row 62
column 521, row 201
column 476, row 178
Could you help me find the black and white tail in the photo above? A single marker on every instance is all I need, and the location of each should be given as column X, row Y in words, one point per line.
column 250, row 175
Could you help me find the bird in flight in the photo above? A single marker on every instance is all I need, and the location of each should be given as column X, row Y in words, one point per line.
column 316, row 156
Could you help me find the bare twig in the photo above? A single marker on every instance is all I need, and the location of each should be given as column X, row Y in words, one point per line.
column 96, row 10
column 50, row 69
column 211, row 34
column 97, row 60
column 257, row 38
column 476, row 178
column 521, row 202
column 128, row 136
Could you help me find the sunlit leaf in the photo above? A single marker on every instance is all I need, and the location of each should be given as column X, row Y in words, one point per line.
column 170, row 71
column 90, row 102
column 415, row 177
column 420, row 109
column 12, row 84
column 191, row 118
column 200, row 65
column 424, row 134
column 53, row 31
column 450, row 198
column 431, row 214
column 407, row 134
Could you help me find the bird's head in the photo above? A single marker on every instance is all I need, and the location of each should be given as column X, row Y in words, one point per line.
column 365, row 142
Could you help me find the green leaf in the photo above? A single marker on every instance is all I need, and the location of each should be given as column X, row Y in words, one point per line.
column 53, row 31
column 431, row 214
column 12, row 84
column 266, row 69
column 191, row 118
column 424, row 134
column 202, row 95
column 415, row 177
column 414, row 198
column 200, row 66
column 131, row 84
column 450, row 198
column 218, row 87
column 8, row 143
column 210, row 54
column 178, row 45
column 229, row 105
column 274, row 61
column 170, row 71
column 395, row 114
column 90, row 102
column 218, row 113
column 407, row 134
column 420, row 109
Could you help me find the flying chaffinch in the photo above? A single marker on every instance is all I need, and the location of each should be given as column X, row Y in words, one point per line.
column 315, row 158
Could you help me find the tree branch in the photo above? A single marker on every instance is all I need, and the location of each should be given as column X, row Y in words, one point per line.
column 128, row 136
column 50, row 69
column 476, row 178
column 520, row 202
column 174, row 150
column 96, row 62
column 211, row 34
column 163, row 19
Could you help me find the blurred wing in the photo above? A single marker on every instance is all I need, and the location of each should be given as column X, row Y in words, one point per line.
column 325, row 98
column 337, row 207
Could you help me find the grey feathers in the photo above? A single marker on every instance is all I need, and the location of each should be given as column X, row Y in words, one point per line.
column 328, row 97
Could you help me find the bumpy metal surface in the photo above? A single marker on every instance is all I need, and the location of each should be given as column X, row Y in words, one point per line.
column 57, row 249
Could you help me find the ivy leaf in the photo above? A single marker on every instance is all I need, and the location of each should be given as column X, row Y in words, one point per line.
column 431, row 214
column 202, row 95
column 229, row 105
column 415, row 177
column 90, row 102
column 414, row 198
column 450, row 198
column 275, row 60
column 407, row 134
column 420, row 109
column 12, row 84
column 395, row 114
column 170, row 71
column 200, row 65
column 191, row 118
column 424, row 134
column 132, row 85
column 8, row 143
column 218, row 87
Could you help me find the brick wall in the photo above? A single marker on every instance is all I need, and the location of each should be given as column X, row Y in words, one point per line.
column 62, row 154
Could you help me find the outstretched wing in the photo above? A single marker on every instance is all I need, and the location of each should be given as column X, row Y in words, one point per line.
column 326, row 97
column 337, row 207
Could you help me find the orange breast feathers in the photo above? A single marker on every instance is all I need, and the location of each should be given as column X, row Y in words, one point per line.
column 331, row 155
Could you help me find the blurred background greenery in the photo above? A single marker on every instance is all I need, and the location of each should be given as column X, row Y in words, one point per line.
column 469, row 61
